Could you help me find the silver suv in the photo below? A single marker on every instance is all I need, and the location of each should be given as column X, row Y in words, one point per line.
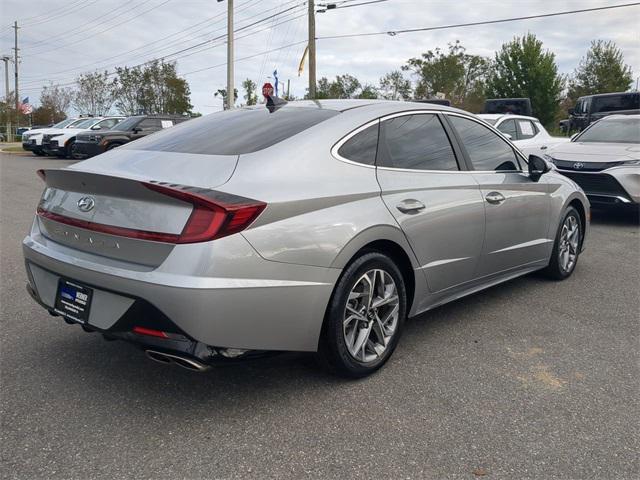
column 311, row 226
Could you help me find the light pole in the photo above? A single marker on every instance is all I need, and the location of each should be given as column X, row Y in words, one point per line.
column 230, row 81
column 312, row 50
column 6, row 59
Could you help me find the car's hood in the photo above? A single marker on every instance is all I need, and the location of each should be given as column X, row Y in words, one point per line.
column 38, row 131
column 595, row 152
column 206, row 171
column 73, row 131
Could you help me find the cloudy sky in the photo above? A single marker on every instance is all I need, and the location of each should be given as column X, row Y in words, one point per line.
column 61, row 38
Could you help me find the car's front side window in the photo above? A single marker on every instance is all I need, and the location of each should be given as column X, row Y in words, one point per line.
column 416, row 142
column 362, row 147
column 486, row 150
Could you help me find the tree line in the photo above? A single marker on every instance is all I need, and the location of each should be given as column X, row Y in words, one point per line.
column 154, row 88
column 520, row 68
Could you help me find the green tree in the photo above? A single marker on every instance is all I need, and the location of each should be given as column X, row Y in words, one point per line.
column 523, row 69
column 368, row 92
column 162, row 91
column 95, row 93
column 249, row 87
column 602, row 70
column 129, row 92
column 393, row 86
column 344, row 86
column 222, row 92
column 455, row 73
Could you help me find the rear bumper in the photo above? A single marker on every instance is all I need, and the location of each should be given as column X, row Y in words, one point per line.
column 86, row 149
column 250, row 303
column 614, row 186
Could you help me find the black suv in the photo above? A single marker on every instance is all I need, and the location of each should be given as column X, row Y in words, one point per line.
column 590, row 108
column 89, row 144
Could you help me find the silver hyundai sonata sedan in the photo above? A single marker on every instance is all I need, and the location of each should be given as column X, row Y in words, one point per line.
column 308, row 226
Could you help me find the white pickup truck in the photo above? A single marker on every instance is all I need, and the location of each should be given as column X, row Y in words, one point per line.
column 527, row 133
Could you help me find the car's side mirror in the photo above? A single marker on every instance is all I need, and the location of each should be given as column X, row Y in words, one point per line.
column 508, row 136
column 537, row 167
column 96, row 127
column 136, row 129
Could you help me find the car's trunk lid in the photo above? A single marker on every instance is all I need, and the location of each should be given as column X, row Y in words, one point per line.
column 86, row 206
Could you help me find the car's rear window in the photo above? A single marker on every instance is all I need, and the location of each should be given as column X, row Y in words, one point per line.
column 234, row 132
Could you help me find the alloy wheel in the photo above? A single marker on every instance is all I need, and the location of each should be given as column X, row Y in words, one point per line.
column 371, row 315
column 569, row 243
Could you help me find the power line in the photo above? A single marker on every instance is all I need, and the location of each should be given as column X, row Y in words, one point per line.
column 91, row 26
column 203, row 43
column 244, row 58
column 144, row 46
column 129, row 19
column 472, row 24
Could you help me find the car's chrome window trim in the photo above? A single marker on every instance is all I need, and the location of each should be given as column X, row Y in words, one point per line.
column 347, row 137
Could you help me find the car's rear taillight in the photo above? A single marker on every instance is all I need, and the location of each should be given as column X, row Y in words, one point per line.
column 214, row 215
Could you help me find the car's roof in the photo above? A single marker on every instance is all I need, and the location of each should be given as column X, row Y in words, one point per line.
column 635, row 116
column 608, row 94
column 498, row 116
column 342, row 105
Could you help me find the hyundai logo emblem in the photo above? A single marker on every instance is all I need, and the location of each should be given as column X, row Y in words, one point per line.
column 86, row 204
column 578, row 165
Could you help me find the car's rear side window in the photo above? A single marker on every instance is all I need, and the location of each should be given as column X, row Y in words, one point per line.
column 234, row 132
column 362, row 147
column 416, row 142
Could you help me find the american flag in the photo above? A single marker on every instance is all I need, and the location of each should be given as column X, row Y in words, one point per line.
column 24, row 106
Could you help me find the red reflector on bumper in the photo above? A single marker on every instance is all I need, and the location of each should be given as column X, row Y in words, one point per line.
column 149, row 332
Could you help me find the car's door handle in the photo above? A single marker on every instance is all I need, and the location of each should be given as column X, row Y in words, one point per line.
column 543, row 147
column 494, row 198
column 410, row 206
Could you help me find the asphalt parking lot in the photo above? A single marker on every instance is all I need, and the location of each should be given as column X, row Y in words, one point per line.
column 530, row 379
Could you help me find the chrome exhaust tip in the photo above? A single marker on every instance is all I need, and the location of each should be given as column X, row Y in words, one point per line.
column 184, row 362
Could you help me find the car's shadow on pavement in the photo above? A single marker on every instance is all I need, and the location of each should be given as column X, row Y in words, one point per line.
column 122, row 373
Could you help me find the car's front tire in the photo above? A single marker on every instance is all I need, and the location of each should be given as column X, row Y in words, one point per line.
column 567, row 245
column 364, row 318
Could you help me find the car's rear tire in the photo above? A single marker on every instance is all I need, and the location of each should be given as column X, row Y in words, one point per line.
column 364, row 318
column 566, row 248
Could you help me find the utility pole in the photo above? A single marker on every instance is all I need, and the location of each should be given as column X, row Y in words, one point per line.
column 230, row 83
column 15, row 50
column 5, row 59
column 312, row 50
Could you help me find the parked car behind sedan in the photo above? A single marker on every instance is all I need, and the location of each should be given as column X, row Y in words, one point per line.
column 89, row 144
column 61, row 144
column 32, row 139
column 313, row 226
column 604, row 159
column 527, row 133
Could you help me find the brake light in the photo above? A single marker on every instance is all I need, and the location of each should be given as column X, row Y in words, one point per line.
column 214, row 215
